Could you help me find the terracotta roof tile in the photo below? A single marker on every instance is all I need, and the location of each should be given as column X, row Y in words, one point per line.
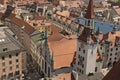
column 112, row 37
column 37, row 16
column 55, row 2
column 63, row 49
column 56, row 36
column 63, row 13
column 28, row 29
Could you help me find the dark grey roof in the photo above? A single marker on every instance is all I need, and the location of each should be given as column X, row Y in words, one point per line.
column 8, row 43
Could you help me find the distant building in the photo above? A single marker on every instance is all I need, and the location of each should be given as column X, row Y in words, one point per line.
column 12, row 56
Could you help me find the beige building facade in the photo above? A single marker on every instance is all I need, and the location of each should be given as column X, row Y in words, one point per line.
column 12, row 56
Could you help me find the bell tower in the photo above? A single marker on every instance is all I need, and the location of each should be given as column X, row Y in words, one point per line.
column 87, row 45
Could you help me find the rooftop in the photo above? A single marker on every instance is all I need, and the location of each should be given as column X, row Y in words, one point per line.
column 114, row 73
column 7, row 44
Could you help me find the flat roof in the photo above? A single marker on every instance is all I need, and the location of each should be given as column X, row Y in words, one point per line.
column 8, row 43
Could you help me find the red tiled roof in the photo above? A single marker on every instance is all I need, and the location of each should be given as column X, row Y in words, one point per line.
column 55, row 2
column 56, row 36
column 63, row 49
column 112, row 37
column 58, row 44
column 37, row 16
column 28, row 29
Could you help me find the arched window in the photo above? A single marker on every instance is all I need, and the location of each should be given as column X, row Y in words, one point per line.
column 88, row 22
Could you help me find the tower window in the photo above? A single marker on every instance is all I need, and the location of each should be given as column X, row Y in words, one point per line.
column 108, row 50
column 16, row 54
column 17, row 66
column 88, row 22
column 79, row 49
column 10, row 62
column 83, row 58
column 110, row 59
column 82, row 65
column 95, row 69
column 110, row 54
column 101, row 48
column 80, row 70
column 116, row 49
column 48, row 71
column 16, row 60
column 115, row 53
column 111, row 49
column 83, row 51
column 10, row 56
column 3, row 58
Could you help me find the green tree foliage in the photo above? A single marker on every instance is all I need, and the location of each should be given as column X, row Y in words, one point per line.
column 118, row 1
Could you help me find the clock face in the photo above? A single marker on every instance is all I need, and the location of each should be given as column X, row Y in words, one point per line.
column 82, row 45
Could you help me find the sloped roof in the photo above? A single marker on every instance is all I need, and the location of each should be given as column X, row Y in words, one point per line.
column 114, row 73
column 28, row 29
column 56, row 36
column 37, row 16
column 90, row 10
column 63, row 49
column 112, row 37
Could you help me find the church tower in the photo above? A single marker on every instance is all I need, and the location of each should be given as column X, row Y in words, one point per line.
column 89, row 17
column 87, row 45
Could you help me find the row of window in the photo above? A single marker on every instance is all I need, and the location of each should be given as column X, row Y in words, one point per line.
column 11, row 75
column 80, row 50
column 10, row 68
column 111, row 54
column 10, row 56
column 110, row 49
column 10, row 62
column 110, row 59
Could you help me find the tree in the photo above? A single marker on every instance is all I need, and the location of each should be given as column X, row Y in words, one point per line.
column 118, row 1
